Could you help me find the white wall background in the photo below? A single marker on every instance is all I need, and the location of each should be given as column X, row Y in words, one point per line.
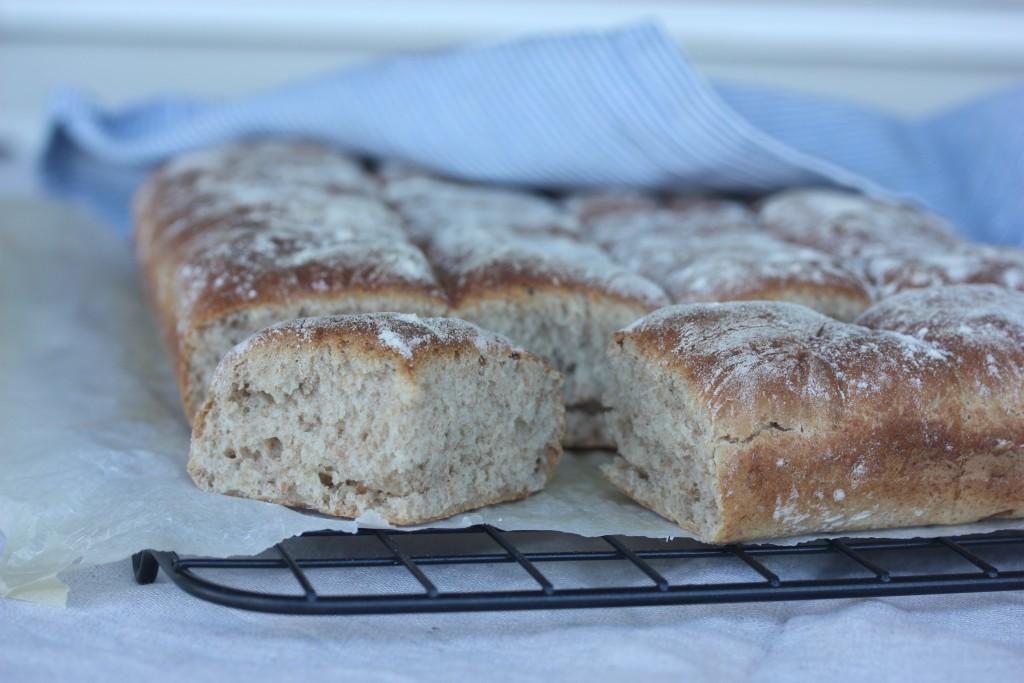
column 904, row 55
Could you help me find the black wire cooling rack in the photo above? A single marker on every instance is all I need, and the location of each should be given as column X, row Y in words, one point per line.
column 482, row 568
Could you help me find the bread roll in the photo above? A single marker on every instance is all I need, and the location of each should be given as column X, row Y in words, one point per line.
column 711, row 250
column 893, row 270
column 427, row 202
column 413, row 418
column 682, row 218
column 894, row 247
column 590, row 208
column 843, row 223
column 755, row 420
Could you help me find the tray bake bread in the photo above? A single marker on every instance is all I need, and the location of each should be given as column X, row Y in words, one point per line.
column 236, row 239
column 763, row 419
column 460, row 418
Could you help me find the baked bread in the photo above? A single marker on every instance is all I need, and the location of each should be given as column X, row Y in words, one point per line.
column 894, row 247
column 590, row 207
column 612, row 225
column 892, row 270
column 412, row 418
column 427, row 202
column 844, row 224
column 756, row 420
column 711, row 250
column 754, row 266
column 525, row 274
column 234, row 239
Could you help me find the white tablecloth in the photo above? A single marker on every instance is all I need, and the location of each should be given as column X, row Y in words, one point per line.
column 112, row 627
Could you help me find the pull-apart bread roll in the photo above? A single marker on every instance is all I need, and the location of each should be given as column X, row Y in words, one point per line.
column 239, row 237
column 756, row 420
column 846, row 224
column 894, row 271
column 614, row 226
column 413, row 418
column 704, row 250
column 428, row 202
column 894, row 247
column 590, row 206
column 755, row 266
column 511, row 263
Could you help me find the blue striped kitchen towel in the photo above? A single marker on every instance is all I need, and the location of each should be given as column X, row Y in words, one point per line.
column 590, row 109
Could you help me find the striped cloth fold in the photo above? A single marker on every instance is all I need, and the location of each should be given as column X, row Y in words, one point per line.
column 617, row 108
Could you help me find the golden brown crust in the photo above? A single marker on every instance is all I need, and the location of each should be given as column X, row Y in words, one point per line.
column 260, row 251
column 749, row 362
column 224, row 184
column 914, row 416
column 900, row 473
column 220, row 284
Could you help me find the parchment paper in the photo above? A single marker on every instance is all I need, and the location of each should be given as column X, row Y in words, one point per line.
column 92, row 465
